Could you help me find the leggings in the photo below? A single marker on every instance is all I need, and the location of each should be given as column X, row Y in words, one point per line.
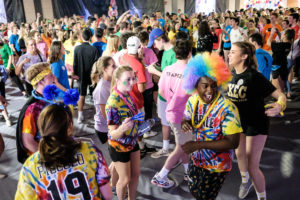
column 16, row 80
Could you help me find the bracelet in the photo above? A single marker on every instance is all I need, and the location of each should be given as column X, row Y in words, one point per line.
column 283, row 105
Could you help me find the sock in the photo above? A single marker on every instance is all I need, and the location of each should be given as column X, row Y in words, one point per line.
column 163, row 172
column 245, row 177
column 142, row 144
column 80, row 114
column 261, row 195
column 166, row 144
column 186, row 167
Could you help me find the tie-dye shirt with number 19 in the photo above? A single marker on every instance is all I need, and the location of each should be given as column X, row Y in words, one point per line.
column 80, row 180
column 223, row 120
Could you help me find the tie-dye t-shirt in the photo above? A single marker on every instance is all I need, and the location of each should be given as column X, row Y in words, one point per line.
column 82, row 180
column 116, row 112
column 30, row 120
column 223, row 120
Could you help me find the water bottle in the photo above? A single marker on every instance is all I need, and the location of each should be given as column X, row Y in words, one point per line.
column 146, row 126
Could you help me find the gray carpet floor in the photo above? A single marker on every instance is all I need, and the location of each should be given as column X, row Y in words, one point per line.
column 279, row 163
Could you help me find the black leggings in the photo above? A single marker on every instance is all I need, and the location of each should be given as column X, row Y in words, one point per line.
column 16, row 80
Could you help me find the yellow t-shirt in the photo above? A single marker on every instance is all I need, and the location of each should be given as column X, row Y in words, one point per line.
column 81, row 180
column 223, row 120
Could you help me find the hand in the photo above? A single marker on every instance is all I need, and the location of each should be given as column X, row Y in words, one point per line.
column 190, row 147
column 186, row 126
column 126, row 125
column 38, row 15
column 274, row 110
column 26, row 60
column 273, row 31
column 8, row 70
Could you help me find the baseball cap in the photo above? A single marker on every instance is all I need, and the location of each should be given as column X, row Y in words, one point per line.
column 133, row 44
column 155, row 33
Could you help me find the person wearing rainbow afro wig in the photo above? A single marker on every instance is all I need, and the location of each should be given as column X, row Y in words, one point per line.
column 214, row 122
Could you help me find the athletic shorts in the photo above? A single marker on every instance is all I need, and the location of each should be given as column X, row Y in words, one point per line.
column 226, row 49
column 83, row 89
column 180, row 137
column 204, row 184
column 161, row 111
column 102, row 136
column 123, row 157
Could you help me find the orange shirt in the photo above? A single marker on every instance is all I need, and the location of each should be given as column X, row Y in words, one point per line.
column 47, row 40
column 266, row 32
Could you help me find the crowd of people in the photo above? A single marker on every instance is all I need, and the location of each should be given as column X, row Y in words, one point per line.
column 207, row 77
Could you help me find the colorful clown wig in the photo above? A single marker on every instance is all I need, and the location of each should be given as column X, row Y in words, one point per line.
column 210, row 65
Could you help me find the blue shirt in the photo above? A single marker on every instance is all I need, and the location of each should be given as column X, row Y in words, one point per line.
column 227, row 44
column 264, row 62
column 101, row 46
column 14, row 40
column 60, row 71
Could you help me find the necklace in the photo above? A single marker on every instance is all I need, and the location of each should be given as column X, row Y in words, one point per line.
column 207, row 112
column 133, row 109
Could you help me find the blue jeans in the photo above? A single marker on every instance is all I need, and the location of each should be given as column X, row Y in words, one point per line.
column 289, row 67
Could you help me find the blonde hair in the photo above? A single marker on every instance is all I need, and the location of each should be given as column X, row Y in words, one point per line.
column 118, row 73
column 112, row 45
column 35, row 69
column 97, row 70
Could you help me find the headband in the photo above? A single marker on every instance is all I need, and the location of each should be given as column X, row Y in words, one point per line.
column 40, row 76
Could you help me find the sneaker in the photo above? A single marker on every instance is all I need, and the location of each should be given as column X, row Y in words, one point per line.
column 80, row 120
column 160, row 153
column 150, row 134
column 8, row 122
column 245, row 189
column 147, row 149
column 162, row 182
column 2, row 176
column 114, row 190
column 187, row 178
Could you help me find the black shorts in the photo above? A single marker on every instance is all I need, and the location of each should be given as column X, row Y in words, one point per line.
column 204, row 184
column 226, row 49
column 155, row 87
column 83, row 89
column 254, row 131
column 123, row 157
column 282, row 72
column 102, row 136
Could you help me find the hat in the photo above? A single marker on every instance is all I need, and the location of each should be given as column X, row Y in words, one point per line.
column 133, row 44
column 155, row 33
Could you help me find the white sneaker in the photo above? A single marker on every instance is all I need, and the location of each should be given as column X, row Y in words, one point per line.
column 8, row 122
column 150, row 134
column 160, row 153
column 2, row 176
column 162, row 182
column 245, row 189
column 80, row 120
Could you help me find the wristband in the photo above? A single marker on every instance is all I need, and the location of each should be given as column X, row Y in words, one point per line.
column 283, row 105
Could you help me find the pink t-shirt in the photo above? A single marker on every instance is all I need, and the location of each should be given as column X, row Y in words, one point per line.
column 43, row 48
column 170, row 83
column 149, row 58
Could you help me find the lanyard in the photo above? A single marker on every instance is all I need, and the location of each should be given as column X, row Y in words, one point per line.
column 207, row 112
column 134, row 111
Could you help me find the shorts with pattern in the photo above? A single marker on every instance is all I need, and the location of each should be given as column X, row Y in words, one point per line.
column 204, row 184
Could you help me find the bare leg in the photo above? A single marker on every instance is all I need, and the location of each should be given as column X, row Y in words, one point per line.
column 241, row 155
column 124, row 172
column 135, row 174
column 81, row 103
column 255, row 146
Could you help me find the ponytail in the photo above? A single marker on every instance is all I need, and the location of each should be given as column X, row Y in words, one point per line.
column 98, row 67
column 248, row 49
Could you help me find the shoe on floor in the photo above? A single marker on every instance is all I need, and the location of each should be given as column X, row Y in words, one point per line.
column 150, row 134
column 162, row 182
column 80, row 120
column 8, row 122
column 187, row 178
column 245, row 189
column 2, row 176
column 160, row 153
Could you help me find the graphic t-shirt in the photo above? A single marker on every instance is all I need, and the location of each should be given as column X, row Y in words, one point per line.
column 247, row 91
column 5, row 52
column 168, row 58
column 81, row 180
column 100, row 96
column 60, row 72
column 116, row 112
column 223, row 120
column 170, row 83
column 30, row 120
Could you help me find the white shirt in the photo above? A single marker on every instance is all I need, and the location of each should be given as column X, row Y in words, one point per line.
column 236, row 36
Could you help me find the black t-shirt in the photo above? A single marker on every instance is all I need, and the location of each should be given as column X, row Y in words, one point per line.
column 247, row 91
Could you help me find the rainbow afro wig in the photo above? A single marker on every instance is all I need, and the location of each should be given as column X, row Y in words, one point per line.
column 210, row 65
